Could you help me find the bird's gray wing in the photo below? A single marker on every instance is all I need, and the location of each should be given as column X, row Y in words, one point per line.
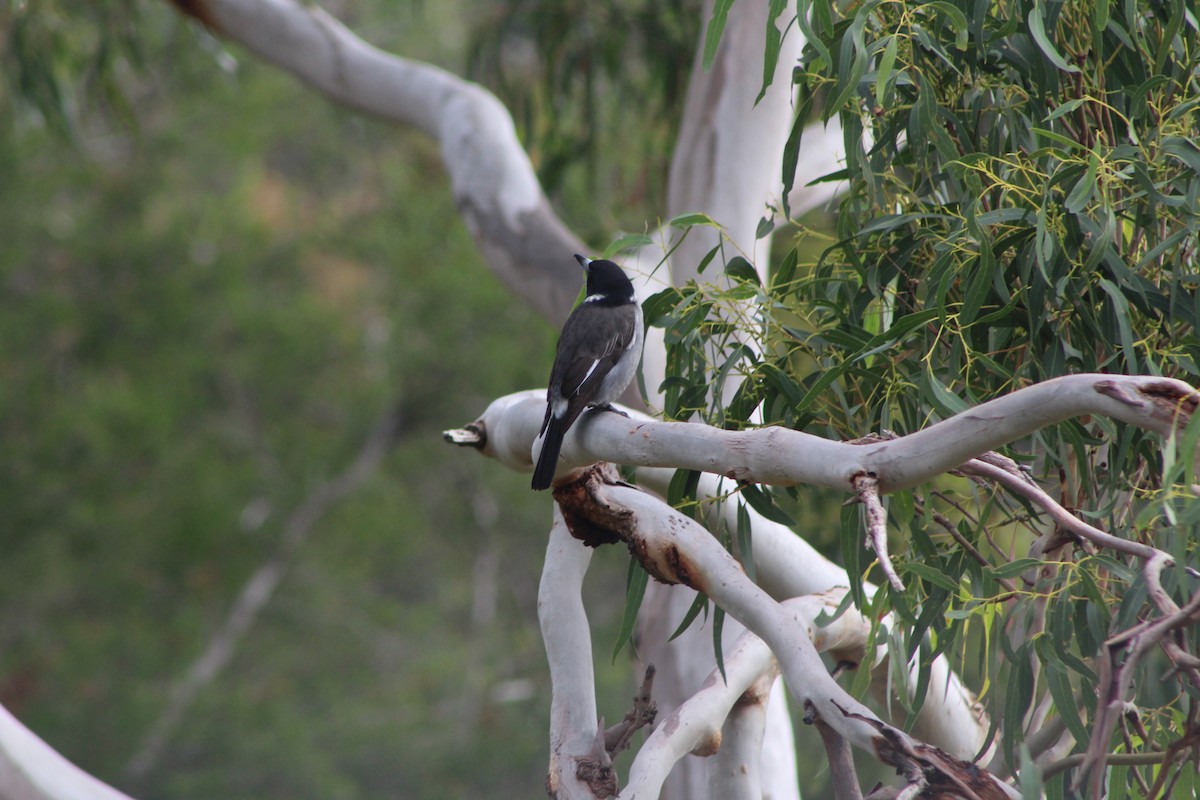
column 583, row 371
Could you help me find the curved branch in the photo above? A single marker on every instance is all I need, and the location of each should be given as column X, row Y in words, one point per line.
column 695, row 725
column 736, row 770
column 786, row 565
column 497, row 191
column 675, row 548
column 784, row 457
column 30, row 768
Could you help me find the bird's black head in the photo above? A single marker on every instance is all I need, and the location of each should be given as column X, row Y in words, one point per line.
column 606, row 282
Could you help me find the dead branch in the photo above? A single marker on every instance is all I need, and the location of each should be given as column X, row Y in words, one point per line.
column 867, row 489
column 618, row 737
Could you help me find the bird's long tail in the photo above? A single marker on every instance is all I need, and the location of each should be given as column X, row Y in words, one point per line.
column 547, row 462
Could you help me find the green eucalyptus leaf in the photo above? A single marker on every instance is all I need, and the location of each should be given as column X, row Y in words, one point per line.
column 635, row 590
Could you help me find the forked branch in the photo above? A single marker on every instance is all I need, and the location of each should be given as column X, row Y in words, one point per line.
column 676, row 549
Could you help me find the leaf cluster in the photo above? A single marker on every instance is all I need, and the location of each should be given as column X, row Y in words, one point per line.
column 1024, row 203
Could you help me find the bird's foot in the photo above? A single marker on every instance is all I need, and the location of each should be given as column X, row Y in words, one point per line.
column 609, row 407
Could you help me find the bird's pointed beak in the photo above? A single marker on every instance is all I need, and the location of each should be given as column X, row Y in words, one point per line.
column 584, row 261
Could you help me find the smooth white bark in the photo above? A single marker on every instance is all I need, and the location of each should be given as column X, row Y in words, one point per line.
column 729, row 152
column 30, row 769
column 787, row 566
column 499, row 197
column 674, row 547
column 567, row 636
column 726, row 164
column 784, row 457
column 697, row 723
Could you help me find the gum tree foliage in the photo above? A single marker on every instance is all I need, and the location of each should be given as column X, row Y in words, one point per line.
column 1023, row 204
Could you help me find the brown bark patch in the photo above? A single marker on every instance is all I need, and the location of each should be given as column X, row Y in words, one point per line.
column 590, row 520
column 199, row 10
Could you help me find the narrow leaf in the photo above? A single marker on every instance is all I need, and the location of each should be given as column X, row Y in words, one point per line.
column 1037, row 28
column 635, row 590
column 690, row 219
column 761, row 502
column 773, row 46
column 718, row 650
column 716, row 26
column 887, row 62
column 745, row 544
column 626, row 242
column 698, row 605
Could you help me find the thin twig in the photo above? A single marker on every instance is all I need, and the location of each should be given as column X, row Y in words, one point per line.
column 257, row 592
column 1115, row 684
column 965, row 544
column 1022, row 485
column 618, row 737
column 1112, row 759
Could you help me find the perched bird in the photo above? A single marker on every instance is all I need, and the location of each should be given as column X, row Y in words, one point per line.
column 598, row 354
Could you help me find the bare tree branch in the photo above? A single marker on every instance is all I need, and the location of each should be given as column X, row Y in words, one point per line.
column 1117, row 664
column 674, row 548
column 258, row 591
column 787, row 566
column 784, row 457
column 498, row 194
column 643, row 714
column 736, row 771
column 695, row 726
column 30, row 769
column 568, row 643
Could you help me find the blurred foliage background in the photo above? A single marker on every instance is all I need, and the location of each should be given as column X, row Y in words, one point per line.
column 213, row 285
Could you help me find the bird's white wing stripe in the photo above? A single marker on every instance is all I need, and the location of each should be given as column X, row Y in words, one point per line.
column 591, row 369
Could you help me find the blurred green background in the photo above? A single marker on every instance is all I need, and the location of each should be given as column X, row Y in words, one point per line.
column 213, row 283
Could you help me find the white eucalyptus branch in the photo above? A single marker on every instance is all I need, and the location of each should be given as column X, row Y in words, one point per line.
column 736, row 769
column 675, row 548
column 696, row 726
column 30, row 769
column 567, row 637
column 498, row 194
column 786, row 565
column 784, row 457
